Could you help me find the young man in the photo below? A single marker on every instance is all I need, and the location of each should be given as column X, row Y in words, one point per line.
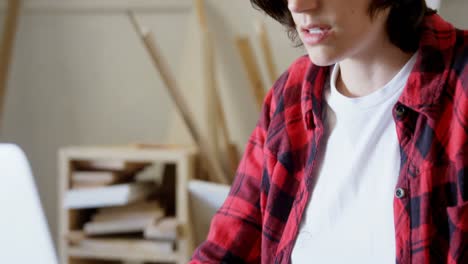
column 361, row 151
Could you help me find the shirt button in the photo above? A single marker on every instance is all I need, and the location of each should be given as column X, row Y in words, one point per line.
column 400, row 111
column 400, row 193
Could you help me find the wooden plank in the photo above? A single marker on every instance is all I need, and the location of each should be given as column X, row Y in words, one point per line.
column 64, row 165
column 154, row 214
column 201, row 14
column 210, row 162
column 75, row 237
column 128, row 153
column 218, row 115
column 262, row 35
column 90, row 261
column 122, row 244
column 185, row 170
column 126, row 255
column 104, row 6
column 91, row 179
column 124, row 249
column 164, row 229
column 144, row 206
column 121, row 167
column 215, row 109
column 252, row 69
column 120, row 226
column 6, row 49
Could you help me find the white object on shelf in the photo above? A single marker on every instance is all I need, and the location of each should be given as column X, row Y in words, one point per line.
column 115, row 195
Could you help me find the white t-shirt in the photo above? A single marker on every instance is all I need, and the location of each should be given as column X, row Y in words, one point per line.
column 349, row 218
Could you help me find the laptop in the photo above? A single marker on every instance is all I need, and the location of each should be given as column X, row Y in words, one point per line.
column 25, row 236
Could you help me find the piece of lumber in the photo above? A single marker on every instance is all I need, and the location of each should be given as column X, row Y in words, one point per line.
column 6, row 49
column 123, row 245
column 120, row 226
column 210, row 161
column 213, row 110
column 252, row 69
column 141, row 206
column 219, row 129
column 86, row 185
column 164, row 229
column 214, row 99
column 201, row 14
column 265, row 46
column 153, row 173
column 75, row 237
column 88, row 256
column 106, row 216
column 98, row 177
column 121, row 166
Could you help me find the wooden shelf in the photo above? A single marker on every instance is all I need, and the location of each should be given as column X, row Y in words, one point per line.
column 129, row 255
column 163, row 154
column 180, row 167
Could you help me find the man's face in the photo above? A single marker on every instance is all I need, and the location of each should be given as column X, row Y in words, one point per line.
column 334, row 30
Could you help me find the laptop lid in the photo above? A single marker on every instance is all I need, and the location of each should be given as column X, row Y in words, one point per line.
column 25, row 236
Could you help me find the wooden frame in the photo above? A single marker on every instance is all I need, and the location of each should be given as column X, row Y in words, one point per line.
column 184, row 160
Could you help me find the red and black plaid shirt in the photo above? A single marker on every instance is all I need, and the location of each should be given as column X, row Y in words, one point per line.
column 259, row 221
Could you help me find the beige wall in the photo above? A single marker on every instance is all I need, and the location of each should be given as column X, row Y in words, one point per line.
column 455, row 11
column 83, row 77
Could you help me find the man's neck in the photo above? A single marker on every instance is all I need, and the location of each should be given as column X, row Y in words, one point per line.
column 362, row 75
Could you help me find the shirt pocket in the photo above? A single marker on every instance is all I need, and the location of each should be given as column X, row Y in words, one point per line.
column 458, row 233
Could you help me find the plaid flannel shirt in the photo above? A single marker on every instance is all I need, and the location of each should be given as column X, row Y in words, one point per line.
column 259, row 221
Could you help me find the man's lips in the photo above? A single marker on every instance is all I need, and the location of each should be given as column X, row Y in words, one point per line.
column 315, row 28
column 315, row 34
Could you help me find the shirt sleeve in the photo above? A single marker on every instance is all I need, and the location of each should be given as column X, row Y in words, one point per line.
column 236, row 229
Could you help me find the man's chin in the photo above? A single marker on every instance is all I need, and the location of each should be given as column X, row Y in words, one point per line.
column 321, row 58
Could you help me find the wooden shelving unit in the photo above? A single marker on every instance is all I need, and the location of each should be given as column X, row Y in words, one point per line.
column 181, row 160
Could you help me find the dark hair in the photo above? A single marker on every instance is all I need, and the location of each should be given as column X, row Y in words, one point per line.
column 403, row 24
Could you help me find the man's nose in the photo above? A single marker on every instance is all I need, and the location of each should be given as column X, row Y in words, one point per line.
column 299, row 6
